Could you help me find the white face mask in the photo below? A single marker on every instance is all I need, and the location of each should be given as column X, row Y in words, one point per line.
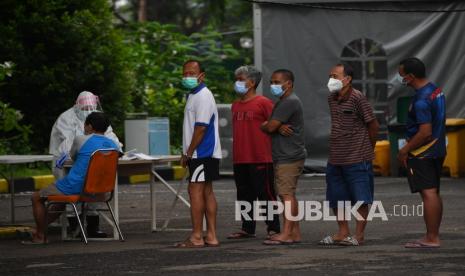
column 82, row 114
column 334, row 85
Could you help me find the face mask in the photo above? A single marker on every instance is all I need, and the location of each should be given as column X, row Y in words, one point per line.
column 334, row 85
column 190, row 82
column 400, row 79
column 277, row 90
column 240, row 88
column 82, row 114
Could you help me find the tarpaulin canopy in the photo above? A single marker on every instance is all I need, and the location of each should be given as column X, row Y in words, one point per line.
column 373, row 38
column 336, row 1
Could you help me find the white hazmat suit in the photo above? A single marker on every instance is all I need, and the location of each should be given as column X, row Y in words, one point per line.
column 69, row 125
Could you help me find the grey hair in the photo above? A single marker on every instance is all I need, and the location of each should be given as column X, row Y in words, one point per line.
column 250, row 72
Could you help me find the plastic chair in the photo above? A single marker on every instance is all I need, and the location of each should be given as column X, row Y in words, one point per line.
column 99, row 185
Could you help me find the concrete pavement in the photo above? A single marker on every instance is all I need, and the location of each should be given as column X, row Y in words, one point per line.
column 149, row 253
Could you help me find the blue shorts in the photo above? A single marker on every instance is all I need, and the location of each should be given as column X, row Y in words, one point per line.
column 349, row 183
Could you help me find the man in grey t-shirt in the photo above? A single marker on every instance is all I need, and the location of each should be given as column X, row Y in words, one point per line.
column 287, row 149
column 286, row 127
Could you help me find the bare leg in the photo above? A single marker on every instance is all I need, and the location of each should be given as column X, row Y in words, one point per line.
column 210, row 212
column 432, row 214
column 38, row 211
column 289, row 231
column 343, row 227
column 55, row 212
column 196, row 194
column 295, row 231
column 361, row 224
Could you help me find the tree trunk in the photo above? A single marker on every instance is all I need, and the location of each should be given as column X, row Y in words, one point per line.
column 142, row 11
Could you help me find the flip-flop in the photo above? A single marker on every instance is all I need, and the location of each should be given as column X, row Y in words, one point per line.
column 328, row 240
column 207, row 244
column 188, row 244
column 271, row 234
column 277, row 242
column 420, row 244
column 349, row 241
column 31, row 242
column 240, row 235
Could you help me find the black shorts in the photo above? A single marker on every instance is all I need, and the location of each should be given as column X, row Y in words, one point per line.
column 424, row 173
column 204, row 169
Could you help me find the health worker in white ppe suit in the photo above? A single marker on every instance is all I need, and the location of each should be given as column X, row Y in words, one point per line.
column 69, row 125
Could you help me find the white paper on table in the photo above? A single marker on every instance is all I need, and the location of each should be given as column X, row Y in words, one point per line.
column 128, row 157
column 143, row 156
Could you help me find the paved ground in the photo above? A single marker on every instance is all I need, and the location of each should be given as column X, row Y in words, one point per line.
column 152, row 253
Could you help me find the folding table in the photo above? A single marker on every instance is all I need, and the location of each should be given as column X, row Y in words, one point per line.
column 137, row 166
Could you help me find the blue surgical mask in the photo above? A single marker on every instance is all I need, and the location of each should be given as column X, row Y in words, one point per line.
column 190, row 82
column 240, row 88
column 277, row 90
column 400, row 79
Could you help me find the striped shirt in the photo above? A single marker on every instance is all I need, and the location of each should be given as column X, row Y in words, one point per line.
column 349, row 139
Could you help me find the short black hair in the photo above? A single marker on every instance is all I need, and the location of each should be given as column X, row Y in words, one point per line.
column 288, row 75
column 194, row 61
column 348, row 70
column 98, row 121
column 414, row 66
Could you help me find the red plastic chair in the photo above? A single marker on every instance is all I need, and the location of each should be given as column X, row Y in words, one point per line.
column 99, row 186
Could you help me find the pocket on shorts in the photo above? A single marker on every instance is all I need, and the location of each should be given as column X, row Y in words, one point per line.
column 359, row 167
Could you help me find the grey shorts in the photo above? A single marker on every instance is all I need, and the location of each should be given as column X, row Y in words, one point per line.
column 50, row 190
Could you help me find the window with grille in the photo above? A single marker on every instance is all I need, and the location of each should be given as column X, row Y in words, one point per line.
column 368, row 59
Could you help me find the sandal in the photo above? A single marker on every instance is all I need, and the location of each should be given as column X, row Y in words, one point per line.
column 188, row 244
column 33, row 242
column 271, row 234
column 421, row 244
column 349, row 241
column 328, row 240
column 207, row 244
column 240, row 235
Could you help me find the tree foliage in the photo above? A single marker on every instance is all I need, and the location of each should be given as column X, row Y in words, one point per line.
column 60, row 48
column 190, row 16
column 14, row 135
column 158, row 53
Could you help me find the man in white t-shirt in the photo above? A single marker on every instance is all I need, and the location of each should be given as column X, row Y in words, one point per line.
column 201, row 154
